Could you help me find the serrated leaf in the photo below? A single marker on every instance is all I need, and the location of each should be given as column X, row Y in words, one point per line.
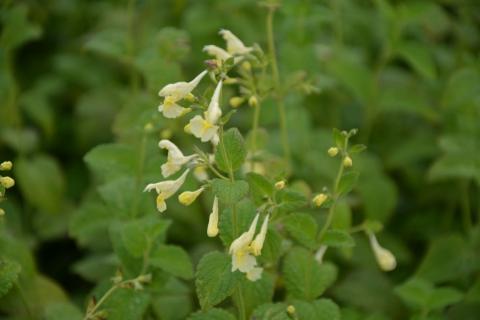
column 139, row 235
column 322, row 309
column 419, row 57
column 172, row 259
column 231, row 151
column 347, row 182
column 212, row 314
column 305, row 278
column 338, row 239
column 229, row 192
column 112, row 160
column 215, row 280
column 126, row 304
column 271, row 311
column 289, row 199
column 61, row 311
column 173, row 300
column 9, row 271
column 256, row 293
column 303, row 228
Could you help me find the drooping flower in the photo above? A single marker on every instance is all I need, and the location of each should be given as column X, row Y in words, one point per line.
column 175, row 92
column 188, row 197
column 242, row 259
column 205, row 127
column 257, row 243
column 385, row 259
column 212, row 229
column 175, row 158
column 166, row 189
column 234, row 45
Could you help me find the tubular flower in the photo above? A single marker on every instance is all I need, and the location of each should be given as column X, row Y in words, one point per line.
column 175, row 158
column 212, row 229
column 242, row 259
column 234, row 45
column 188, row 197
column 219, row 53
column 175, row 92
column 385, row 259
column 257, row 244
column 166, row 189
column 205, row 128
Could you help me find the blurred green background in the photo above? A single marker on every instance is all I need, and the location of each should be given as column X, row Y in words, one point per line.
column 76, row 74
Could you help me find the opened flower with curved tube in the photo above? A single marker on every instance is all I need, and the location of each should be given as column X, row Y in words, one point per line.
column 205, row 127
column 175, row 158
column 175, row 92
column 257, row 243
column 212, row 229
column 235, row 46
column 188, row 197
column 242, row 258
column 166, row 189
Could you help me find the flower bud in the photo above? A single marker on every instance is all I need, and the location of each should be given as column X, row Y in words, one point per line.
column 247, row 66
column 188, row 197
column 319, row 199
column 332, row 152
column 279, row 185
column 385, row 259
column 2, row 212
column 7, row 182
column 235, row 102
column 347, row 162
column 6, row 165
column 253, row 101
column 166, row 134
column 291, row 309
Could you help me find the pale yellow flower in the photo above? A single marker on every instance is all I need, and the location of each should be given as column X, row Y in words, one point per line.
column 234, row 45
column 242, row 259
column 205, row 128
column 257, row 244
column 319, row 199
column 7, row 182
column 333, row 151
column 6, row 165
column 212, row 229
column 254, row 274
column 166, row 189
column 347, row 162
column 188, row 197
column 175, row 158
column 385, row 259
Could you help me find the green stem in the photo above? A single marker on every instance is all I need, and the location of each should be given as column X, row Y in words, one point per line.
column 24, row 300
column 256, row 117
column 335, row 197
column 139, row 173
column 276, row 81
column 103, row 299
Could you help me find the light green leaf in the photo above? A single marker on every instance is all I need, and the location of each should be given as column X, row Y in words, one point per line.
column 303, row 228
column 271, row 311
column 172, row 259
column 215, row 280
column 229, row 192
column 127, row 304
column 256, row 293
column 139, row 235
column 260, row 186
column 305, row 278
column 419, row 57
column 231, row 151
column 338, row 238
column 173, row 301
column 289, row 199
column 112, row 160
column 62, row 311
column 9, row 271
column 16, row 29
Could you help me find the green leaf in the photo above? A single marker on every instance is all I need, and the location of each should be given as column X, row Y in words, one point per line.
column 303, row 228
column 112, row 160
column 9, row 271
column 245, row 211
column 61, row 311
column 289, row 199
column 256, row 293
column 139, row 235
column 173, row 301
column 229, row 192
column 231, row 151
column 126, row 304
column 338, row 238
column 339, row 138
column 443, row 297
column 42, row 182
column 260, row 186
column 305, row 278
column 272, row 311
column 17, row 30
column 357, row 148
column 212, row 314
column 347, row 182
column 215, row 280
column 419, row 57
column 172, row 259
column 323, row 309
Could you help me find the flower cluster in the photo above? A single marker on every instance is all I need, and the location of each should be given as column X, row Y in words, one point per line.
column 178, row 100
column 6, row 182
